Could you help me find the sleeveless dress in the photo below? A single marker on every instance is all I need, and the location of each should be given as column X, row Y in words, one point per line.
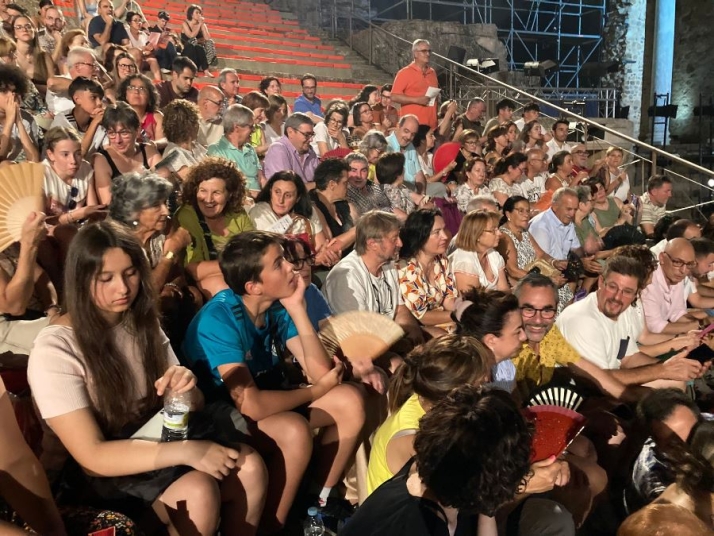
column 525, row 253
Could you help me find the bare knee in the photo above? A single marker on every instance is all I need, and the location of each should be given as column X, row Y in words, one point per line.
column 251, row 468
column 347, row 405
column 194, row 499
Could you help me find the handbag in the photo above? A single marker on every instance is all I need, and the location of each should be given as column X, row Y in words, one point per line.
column 574, row 269
column 306, row 236
column 210, row 47
column 542, row 267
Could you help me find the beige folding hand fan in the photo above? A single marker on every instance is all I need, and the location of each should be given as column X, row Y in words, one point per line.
column 360, row 334
column 20, row 194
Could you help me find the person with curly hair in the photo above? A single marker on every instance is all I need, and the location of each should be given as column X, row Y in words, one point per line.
column 270, row 86
column 181, row 124
column 19, row 134
column 138, row 91
column 471, row 457
column 212, row 212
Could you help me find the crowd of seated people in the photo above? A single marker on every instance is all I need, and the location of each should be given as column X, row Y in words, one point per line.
column 196, row 241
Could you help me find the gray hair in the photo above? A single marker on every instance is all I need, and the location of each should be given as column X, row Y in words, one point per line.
column 224, row 74
column 297, row 119
column 373, row 139
column 474, row 102
column 482, row 202
column 356, row 156
column 134, row 192
column 562, row 192
column 583, row 193
column 237, row 115
column 418, row 42
column 374, row 225
column 77, row 54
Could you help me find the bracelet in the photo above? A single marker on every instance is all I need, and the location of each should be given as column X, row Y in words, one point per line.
column 175, row 287
column 53, row 306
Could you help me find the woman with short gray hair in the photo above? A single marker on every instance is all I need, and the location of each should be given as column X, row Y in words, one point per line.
column 124, row 154
column 372, row 146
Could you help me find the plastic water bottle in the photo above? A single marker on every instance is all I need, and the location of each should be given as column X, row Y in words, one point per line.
column 176, row 408
column 313, row 523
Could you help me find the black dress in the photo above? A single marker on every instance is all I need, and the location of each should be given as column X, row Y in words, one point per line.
column 194, row 51
column 343, row 211
column 115, row 170
column 392, row 511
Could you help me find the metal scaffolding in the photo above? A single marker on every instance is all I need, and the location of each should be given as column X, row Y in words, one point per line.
column 568, row 32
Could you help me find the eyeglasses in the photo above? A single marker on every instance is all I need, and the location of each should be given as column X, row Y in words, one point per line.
column 612, row 288
column 335, row 122
column 679, row 263
column 214, row 102
column 122, row 133
column 92, row 65
column 494, row 231
column 425, row 51
column 299, row 264
column 127, row 66
column 27, row 27
column 471, row 142
column 546, row 313
column 138, row 89
column 308, row 135
column 72, row 202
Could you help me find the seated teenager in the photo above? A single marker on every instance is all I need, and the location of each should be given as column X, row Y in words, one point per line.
column 86, row 116
column 236, row 344
column 212, row 212
column 471, row 457
column 99, row 372
column 19, row 134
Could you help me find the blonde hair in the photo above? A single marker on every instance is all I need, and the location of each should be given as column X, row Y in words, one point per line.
column 472, row 227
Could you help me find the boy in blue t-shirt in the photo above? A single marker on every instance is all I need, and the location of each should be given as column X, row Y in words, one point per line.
column 234, row 345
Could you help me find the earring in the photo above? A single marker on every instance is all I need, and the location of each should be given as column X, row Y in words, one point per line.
column 135, row 223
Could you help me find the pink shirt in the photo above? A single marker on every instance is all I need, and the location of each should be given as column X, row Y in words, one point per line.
column 662, row 302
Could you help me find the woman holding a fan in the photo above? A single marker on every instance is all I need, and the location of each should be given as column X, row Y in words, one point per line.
column 283, row 206
column 212, row 212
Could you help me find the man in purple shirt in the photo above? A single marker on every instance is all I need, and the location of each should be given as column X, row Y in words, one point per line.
column 663, row 300
column 293, row 151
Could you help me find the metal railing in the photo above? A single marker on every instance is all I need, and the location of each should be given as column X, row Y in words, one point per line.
column 464, row 83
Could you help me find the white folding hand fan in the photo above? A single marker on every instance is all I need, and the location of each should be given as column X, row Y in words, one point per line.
column 360, row 334
column 20, row 194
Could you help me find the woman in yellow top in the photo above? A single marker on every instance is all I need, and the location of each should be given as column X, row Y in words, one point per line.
column 428, row 374
column 212, row 212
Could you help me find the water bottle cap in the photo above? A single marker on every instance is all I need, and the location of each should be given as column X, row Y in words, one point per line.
column 312, row 511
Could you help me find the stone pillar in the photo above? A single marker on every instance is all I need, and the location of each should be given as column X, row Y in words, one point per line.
column 663, row 56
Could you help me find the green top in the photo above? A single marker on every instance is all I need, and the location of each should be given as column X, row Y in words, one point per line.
column 246, row 159
column 608, row 218
column 584, row 230
column 197, row 250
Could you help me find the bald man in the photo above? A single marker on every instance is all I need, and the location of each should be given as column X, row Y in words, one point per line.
column 663, row 300
column 210, row 107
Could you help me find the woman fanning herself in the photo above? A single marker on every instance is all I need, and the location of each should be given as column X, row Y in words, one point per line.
column 425, row 277
column 95, row 385
column 475, row 262
column 124, row 154
column 212, row 212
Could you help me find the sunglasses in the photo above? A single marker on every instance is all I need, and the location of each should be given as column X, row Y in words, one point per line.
column 73, row 193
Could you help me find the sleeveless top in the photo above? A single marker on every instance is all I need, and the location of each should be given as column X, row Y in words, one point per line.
column 115, row 170
column 525, row 251
column 608, row 217
column 406, row 418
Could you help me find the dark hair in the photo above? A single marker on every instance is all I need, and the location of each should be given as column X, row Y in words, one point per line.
column 678, row 228
column 389, row 167
column 473, row 449
column 107, row 365
column 366, row 91
column 356, row 115
column 191, row 10
column 560, row 121
column 657, row 181
column 302, row 206
column 12, row 78
column 265, row 83
column 659, row 404
column 255, row 100
column 525, row 135
column 241, row 260
column 513, row 160
column 702, row 247
column 82, row 83
column 505, row 103
column 558, row 160
column 435, row 368
column 420, row 135
column 486, row 315
column 339, row 108
column 308, row 76
column 531, row 107
column 416, row 231
column 535, row 280
column 626, row 266
column 215, row 167
column 152, row 104
column 386, row 87
column 329, row 170
column 663, row 225
column 181, row 63
column 276, row 102
column 492, row 134
column 643, row 257
column 121, row 114
column 131, row 14
column 111, row 54
column 17, row 7
column 510, row 204
column 692, row 461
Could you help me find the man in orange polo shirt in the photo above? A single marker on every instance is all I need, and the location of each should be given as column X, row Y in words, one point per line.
column 411, row 85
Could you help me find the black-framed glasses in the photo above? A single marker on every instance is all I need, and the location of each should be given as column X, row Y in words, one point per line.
column 679, row 263
column 299, row 264
column 546, row 313
column 73, row 193
column 308, row 135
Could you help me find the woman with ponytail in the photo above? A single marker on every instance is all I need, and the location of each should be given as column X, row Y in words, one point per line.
column 429, row 373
